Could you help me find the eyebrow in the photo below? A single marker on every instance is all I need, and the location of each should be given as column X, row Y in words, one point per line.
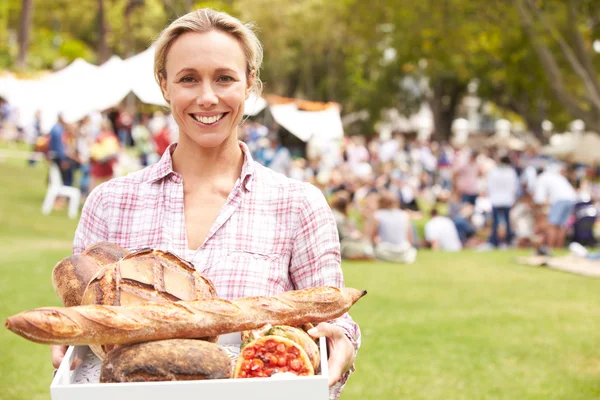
column 218, row 70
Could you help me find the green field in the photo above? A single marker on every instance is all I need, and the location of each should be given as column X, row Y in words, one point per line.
column 451, row 326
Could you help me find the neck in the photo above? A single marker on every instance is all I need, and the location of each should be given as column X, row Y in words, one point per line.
column 199, row 164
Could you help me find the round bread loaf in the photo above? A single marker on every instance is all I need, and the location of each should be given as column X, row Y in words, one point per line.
column 166, row 360
column 146, row 276
column 105, row 252
column 71, row 275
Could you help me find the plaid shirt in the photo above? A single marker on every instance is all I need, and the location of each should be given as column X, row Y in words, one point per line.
column 272, row 235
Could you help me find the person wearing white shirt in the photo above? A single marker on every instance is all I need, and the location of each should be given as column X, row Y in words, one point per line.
column 552, row 187
column 441, row 233
column 502, row 189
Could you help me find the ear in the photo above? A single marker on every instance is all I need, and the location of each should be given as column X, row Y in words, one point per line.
column 163, row 88
column 250, row 83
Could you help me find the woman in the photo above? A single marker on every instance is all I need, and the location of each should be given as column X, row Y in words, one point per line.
column 104, row 154
column 391, row 230
column 248, row 229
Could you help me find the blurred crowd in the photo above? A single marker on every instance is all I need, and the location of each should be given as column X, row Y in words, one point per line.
column 389, row 197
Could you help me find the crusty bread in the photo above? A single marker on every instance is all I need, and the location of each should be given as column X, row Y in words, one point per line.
column 105, row 252
column 184, row 319
column 71, row 275
column 146, row 276
column 166, row 360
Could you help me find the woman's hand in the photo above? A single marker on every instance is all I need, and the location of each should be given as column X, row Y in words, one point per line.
column 341, row 350
column 58, row 353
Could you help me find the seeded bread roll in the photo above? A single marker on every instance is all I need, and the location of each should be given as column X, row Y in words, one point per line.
column 72, row 274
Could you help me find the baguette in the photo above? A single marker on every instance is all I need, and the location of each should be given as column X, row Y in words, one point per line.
column 97, row 324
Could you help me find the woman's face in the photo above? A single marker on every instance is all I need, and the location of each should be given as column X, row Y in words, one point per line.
column 206, row 87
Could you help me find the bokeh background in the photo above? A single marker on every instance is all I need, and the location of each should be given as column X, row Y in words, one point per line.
column 368, row 99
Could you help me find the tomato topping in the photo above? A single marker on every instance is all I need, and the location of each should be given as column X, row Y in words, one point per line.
column 248, row 352
column 246, row 365
column 243, row 374
column 256, row 364
column 281, row 348
column 282, row 361
column 273, row 360
column 295, row 364
column 270, row 345
column 294, row 351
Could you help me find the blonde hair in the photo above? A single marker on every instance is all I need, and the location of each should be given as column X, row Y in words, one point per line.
column 206, row 20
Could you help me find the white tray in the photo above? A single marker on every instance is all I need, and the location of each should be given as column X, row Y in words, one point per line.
column 82, row 383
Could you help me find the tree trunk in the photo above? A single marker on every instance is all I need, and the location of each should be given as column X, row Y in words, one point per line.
column 24, row 28
column 103, row 53
column 446, row 94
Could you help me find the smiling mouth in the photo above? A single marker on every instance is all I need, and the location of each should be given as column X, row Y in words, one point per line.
column 208, row 120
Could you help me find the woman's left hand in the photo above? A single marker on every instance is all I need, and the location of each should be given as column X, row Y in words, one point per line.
column 341, row 350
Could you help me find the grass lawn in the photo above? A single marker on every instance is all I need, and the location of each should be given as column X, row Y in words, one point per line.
column 452, row 326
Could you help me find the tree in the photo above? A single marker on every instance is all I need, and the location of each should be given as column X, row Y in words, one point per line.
column 548, row 29
column 103, row 51
column 24, row 29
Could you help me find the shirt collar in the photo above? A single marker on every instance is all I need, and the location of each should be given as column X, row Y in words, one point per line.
column 164, row 167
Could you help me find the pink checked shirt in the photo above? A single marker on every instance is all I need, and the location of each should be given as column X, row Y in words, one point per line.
column 272, row 235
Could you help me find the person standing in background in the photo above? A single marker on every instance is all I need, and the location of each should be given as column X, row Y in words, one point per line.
column 83, row 144
column 141, row 137
column 466, row 174
column 502, row 189
column 104, row 154
column 58, row 151
column 552, row 187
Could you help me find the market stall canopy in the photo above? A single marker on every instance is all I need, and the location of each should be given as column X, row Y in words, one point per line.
column 307, row 119
column 574, row 147
column 506, row 141
column 81, row 88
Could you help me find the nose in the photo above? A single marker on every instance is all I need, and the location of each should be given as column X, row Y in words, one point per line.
column 206, row 96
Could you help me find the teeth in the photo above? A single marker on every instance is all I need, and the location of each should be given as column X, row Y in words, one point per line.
column 207, row 120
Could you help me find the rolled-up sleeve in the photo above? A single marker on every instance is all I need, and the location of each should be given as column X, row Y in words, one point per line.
column 316, row 260
column 92, row 227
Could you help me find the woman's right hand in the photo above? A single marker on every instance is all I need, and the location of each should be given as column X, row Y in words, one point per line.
column 58, row 353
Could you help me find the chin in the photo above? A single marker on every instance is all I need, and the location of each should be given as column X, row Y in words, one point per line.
column 210, row 140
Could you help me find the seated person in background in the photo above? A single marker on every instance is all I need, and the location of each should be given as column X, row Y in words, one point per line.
column 523, row 220
column 390, row 229
column 353, row 244
column 441, row 233
column 459, row 213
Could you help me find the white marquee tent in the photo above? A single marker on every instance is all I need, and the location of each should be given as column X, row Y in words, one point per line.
column 81, row 88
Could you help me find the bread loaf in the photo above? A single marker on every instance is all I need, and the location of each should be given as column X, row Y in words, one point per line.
column 71, row 275
column 185, row 319
column 105, row 252
column 166, row 360
column 146, row 276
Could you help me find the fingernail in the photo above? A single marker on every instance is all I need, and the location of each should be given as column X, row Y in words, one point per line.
column 312, row 331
